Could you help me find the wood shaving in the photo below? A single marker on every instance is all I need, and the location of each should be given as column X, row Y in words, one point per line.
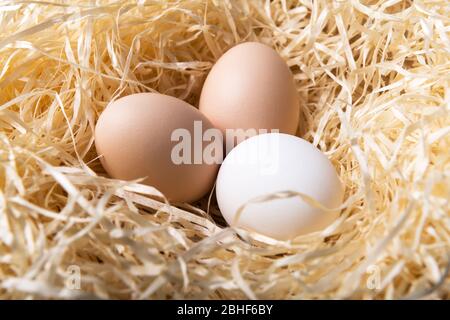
column 374, row 81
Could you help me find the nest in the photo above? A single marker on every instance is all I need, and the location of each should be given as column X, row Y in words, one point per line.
column 373, row 77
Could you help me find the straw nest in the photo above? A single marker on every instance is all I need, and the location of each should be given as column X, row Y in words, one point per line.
column 374, row 80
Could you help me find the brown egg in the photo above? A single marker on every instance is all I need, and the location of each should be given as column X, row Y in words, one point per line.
column 251, row 87
column 133, row 136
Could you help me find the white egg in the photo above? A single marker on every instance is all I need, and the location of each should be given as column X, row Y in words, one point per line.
column 271, row 163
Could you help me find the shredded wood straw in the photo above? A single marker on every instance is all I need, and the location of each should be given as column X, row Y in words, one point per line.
column 374, row 80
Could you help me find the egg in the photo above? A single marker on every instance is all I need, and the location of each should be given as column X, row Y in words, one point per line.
column 273, row 163
column 134, row 138
column 251, row 88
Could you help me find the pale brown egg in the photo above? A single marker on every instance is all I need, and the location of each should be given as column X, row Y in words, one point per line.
column 133, row 137
column 251, row 87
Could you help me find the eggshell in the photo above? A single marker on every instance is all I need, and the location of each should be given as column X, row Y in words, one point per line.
column 251, row 87
column 133, row 137
column 271, row 163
